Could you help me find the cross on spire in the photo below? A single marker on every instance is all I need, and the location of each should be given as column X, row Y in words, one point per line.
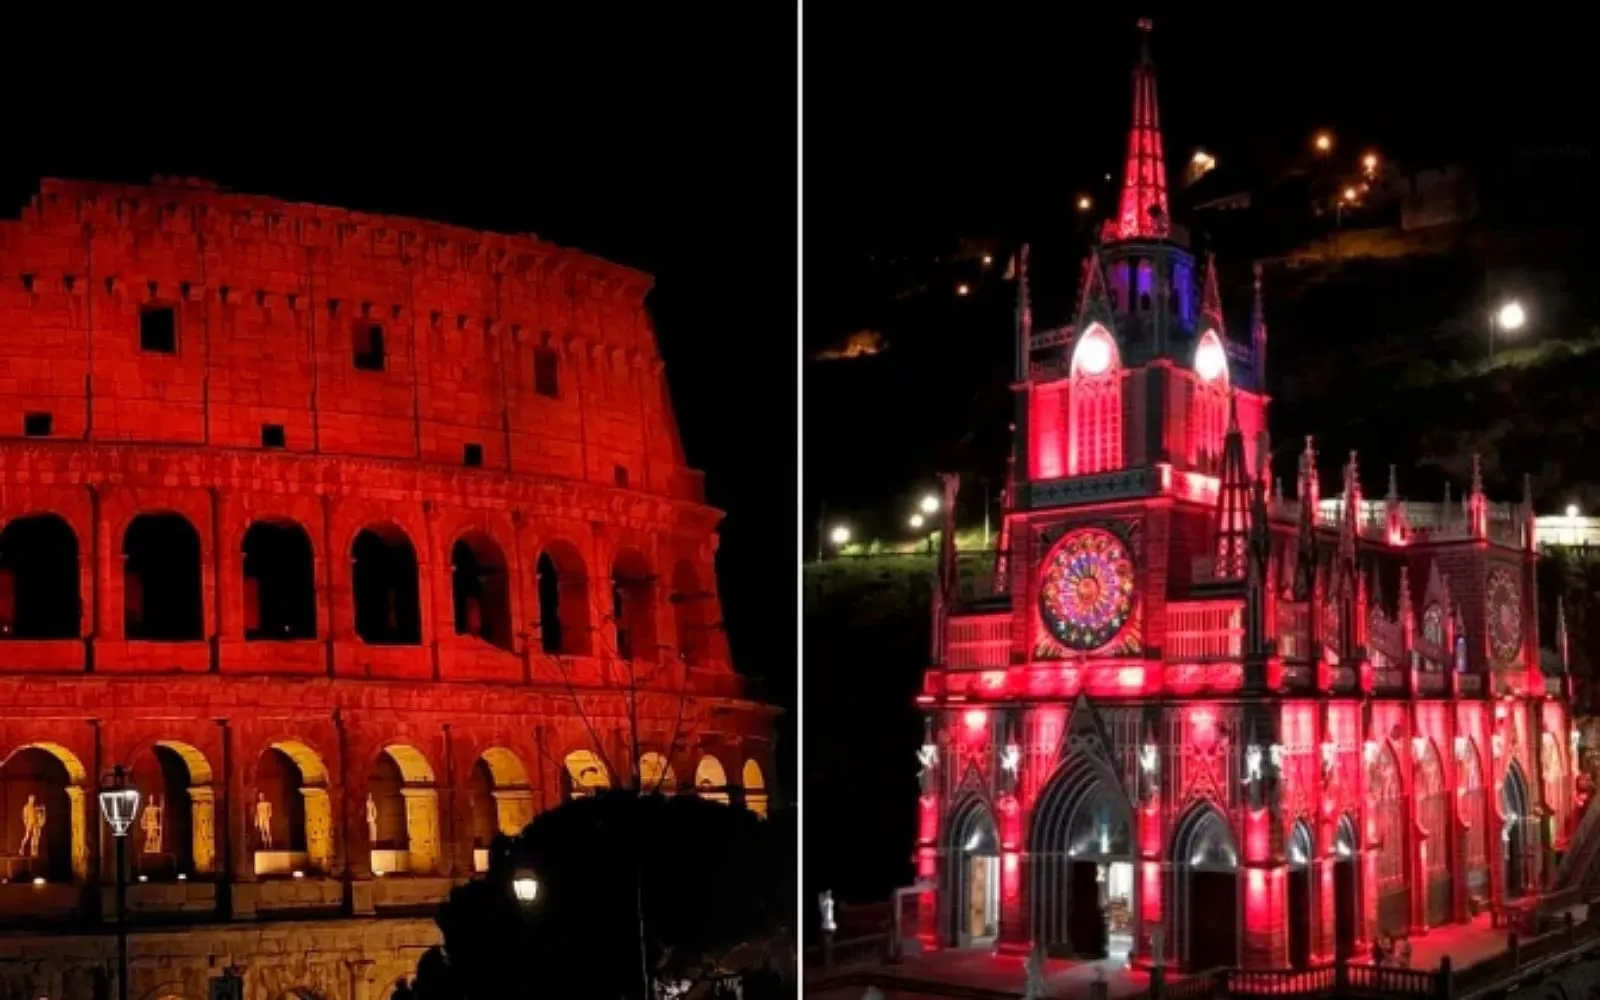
column 1142, row 212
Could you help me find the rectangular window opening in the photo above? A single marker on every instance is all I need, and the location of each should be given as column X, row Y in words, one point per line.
column 272, row 436
column 369, row 355
column 158, row 330
column 619, row 474
column 546, row 373
column 472, row 455
column 37, row 425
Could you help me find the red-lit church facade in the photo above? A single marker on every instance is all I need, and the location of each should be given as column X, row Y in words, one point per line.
column 1205, row 722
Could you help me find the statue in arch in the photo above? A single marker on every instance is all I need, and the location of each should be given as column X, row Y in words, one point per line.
column 33, row 817
column 264, row 821
column 151, row 825
column 372, row 821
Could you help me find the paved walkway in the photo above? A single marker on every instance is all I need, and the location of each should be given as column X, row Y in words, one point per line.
column 1466, row 944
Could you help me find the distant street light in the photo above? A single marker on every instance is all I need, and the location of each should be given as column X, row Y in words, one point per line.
column 1572, row 510
column 1085, row 202
column 1511, row 316
column 962, row 289
column 526, row 888
column 1322, row 142
column 929, row 504
column 917, row 521
column 1351, row 194
column 988, row 259
column 840, row 535
column 1369, row 163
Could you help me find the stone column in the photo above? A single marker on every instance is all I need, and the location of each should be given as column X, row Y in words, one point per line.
column 79, row 819
column 224, row 589
column 202, row 828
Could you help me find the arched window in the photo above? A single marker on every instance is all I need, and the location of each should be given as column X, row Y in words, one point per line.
column 655, row 775
column 691, row 614
column 479, row 588
column 755, row 789
column 39, row 579
column 710, row 780
column 1094, row 437
column 563, row 600
column 38, row 793
column 633, row 589
column 1433, row 817
column 1389, row 811
column 280, row 588
column 500, row 799
column 1209, row 413
column 583, row 773
column 175, row 833
column 384, row 581
column 402, row 812
column 161, row 579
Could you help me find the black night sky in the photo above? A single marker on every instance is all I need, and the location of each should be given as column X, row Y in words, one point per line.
column 924, row 130
column 653, row 139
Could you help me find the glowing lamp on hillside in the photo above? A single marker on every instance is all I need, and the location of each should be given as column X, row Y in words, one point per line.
column 840, row 535
column 962, row 289
column 1511, row 316
column 1322, row 142
column 1210, row 361
column 928, row 504
column 1369, row 163
column 526, row 888
column 1572, row 510
column 1350, row 195
column 916, row 521
column 1085, row 203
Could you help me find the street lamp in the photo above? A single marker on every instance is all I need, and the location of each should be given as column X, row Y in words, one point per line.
column 929, row 504
column 916, row 521
column 840, row 535
column 1085, row 202
column 1322, row 142
column 526, row 888
column 1510, row 317
column 119, row 806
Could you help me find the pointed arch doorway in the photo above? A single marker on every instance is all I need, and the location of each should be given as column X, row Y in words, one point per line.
column 972, row 853
column 1300, row 859
column 1081, row 857
column 1206, row 872
column 1514, row 839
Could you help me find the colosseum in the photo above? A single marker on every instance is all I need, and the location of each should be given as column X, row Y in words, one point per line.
column 355, row 540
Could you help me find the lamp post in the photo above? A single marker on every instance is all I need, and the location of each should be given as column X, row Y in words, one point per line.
column 119, row 805
column 1510, row 317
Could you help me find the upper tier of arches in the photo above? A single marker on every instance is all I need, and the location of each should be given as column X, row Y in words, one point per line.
column 180, row 315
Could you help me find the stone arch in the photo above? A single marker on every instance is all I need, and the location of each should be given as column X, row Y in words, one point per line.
column 280, row 581
column 1300, row 853
column 480, row 589
column 1082, row 826
column 1518, row 834
column 563, row 582
column 971, row 874
column 1471, row 807
column 1557, row 790
column 39, row 579
column 47, row 775
column 1346, row 887
column 633, row 606
column 1205, row 889
column 656, row 775
column 385, row 585
column 294, row 832
column 1094, row 433
column 162, row 590
column 1390, row 839
column 402, row 811
column 711, row 779
column 1432, row 794
column 176, row 779
column 755, row 788
column 583, row 773
column 693, row 614
column 500, row 800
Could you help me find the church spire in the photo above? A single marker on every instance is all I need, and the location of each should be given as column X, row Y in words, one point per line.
column 1233, row 503
column 1142, row 213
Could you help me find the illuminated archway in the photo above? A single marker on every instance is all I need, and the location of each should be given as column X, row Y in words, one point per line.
column 500, row 800
column 1391, row 840
column 403, row 812
column 755, row 789
column 48, row 777
column 1518, row 834
column 294, row 832
column 711, row 780
column 1301, row 854
column 1206, row 911
column 1080, row 850
column 1209, row 418
column 1557, row 786
column 1433, row 824
column 1472, row 808
column 583, row 773
column 655, row 774
column 176, row 831
column 1346, row 888
column 1094, row 432
column 972, row 875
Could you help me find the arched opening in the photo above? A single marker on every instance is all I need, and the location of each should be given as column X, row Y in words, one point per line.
column 292, row 816
column 1345, row 898
column 402, row 812
column 384, row 581
column 1516, row 849
column 633, row 606
column 1301, row 855
column 1472, row 805
column 1206, row 872
column 41, row 791
column 972, row 864
column 1081, row 855
column 162, row 593
column 1210, row 405
column 1433, row 822
column 711, row 780
column 480, row 589
column 500, row 799
column 175, row 832
column 655, row 775
column 280, row 583
column 1391, row 842
column 1094, row 434
column 691, row 614
column 563, row 601
column 39, row 579
column 583, row 773
column 755, row 789
column 1557, row 787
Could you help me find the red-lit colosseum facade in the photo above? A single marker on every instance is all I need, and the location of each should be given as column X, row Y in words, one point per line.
column 348, row 535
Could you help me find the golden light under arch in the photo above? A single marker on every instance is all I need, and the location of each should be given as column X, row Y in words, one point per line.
column 587, row 771
column 755, row 789
column 69, row 760
column 193, row 759
column 414, row 767
column 312, row 770
column 711, row 780
column 505, row 768
column 655, row 774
